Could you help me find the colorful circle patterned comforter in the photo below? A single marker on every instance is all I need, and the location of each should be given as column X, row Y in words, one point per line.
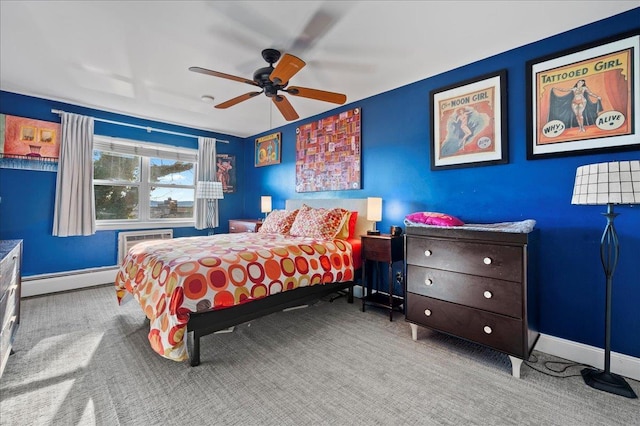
column 172, row 278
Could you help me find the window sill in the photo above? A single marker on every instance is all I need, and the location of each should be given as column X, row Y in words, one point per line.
column 110, row 226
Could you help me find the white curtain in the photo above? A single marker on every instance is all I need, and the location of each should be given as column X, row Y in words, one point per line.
column 206, row 172
column 74, row 211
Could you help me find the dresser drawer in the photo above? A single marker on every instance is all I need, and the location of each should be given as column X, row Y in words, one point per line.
column 496, row 331
column 8, row 303
column 488, row 260
column 9, row 269
column 6, row 341
column 502, row 297
column 238, row 226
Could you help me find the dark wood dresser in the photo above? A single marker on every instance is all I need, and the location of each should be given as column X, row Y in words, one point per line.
column 10, row 282
column 475, row 284
column 244, row 225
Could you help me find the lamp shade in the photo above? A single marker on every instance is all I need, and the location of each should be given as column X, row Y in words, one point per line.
column 265, row 204
column 208, row 190
column 374, row 209
column 615, row 182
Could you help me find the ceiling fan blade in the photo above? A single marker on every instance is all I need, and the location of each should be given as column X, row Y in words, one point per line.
column 222, row 75
column 237, row 100
column 321, row 95
column 285, row 107
column 287, row 67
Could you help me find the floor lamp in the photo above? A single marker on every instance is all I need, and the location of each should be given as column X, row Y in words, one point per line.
column 608, row 184
column 208, row 190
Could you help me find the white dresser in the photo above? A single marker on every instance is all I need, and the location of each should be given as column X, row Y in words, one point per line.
column 10, row 282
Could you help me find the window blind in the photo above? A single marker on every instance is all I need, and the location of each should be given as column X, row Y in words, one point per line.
column 146, row 149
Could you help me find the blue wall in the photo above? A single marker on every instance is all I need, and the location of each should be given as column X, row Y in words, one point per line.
column 26, row 209
column 396, row 166
column 395, row 155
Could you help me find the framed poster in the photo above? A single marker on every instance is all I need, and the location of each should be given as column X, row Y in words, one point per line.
column 226, row 172
column 584, row 100
column 469, row 124
column 328, row 153
column 268, row 150
column 29, row 144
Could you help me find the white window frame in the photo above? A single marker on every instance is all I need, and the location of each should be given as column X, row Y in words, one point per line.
column 145, row 151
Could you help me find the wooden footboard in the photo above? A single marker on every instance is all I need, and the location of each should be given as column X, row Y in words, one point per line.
column 201, row 324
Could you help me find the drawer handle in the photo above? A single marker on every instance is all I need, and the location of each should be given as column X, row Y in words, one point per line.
column 427, row 253
column 428, row 281
column 487, row 260
column 427, row 312
column 487, row 329
column 488, row 295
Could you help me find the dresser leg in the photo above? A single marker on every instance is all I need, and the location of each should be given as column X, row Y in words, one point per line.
column 515, row 366
column 414, row 331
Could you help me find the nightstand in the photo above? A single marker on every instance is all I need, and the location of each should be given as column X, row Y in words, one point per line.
column 244, row 225
column 378, row 249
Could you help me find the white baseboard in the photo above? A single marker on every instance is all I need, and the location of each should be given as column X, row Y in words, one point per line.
column 36, row 285
column 621, row 364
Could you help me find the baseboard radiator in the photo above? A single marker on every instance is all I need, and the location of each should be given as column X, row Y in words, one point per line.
column 126, row 240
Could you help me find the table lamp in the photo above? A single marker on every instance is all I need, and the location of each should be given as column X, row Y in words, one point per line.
column 265, row 205
column 374, row 213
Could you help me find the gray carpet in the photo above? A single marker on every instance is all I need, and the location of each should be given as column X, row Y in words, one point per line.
column 83, row 360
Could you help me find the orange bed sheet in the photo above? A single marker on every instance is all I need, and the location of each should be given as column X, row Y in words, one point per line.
column 172, row 278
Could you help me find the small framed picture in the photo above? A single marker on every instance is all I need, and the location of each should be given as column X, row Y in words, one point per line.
column 468, row 122
column 27, row 133
column 47, row 135
column 585, row 100
column 268, row 150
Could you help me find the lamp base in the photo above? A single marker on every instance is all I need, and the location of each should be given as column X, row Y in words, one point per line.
column 376, row 232
column 607, row 382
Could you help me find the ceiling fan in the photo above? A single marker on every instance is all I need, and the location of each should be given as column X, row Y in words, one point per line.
column 273, row 80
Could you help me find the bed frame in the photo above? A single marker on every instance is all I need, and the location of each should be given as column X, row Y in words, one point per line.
column 204, row 323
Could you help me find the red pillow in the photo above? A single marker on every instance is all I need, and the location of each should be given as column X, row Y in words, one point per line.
column 349, row 228
column 352, row 223
column 433, row 218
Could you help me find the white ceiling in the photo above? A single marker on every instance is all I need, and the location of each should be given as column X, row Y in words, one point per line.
column 132, row 57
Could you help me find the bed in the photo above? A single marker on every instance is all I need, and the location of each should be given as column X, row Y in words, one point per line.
column 194, row 286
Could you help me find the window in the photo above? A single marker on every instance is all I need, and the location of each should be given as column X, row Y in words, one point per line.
column 143, row 185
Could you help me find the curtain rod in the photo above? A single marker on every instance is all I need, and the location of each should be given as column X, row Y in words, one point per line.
column 148, row 129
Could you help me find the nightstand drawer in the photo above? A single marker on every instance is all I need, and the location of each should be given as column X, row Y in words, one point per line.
column 502, row 297
column 244, row 225
column 497, row 331
column 382, row 249
column 489, row 260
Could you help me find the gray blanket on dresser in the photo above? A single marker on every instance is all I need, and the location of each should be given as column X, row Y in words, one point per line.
column 523, row 226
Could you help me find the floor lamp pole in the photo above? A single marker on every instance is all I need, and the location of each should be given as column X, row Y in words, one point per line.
column 209, row 215
column 606, row 380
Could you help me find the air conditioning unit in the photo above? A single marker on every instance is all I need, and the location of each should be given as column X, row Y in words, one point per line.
column 126, row 240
